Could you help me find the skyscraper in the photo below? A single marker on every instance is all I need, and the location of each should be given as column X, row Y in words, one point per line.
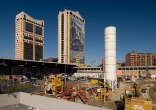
column 29, row 40
column 71, row 37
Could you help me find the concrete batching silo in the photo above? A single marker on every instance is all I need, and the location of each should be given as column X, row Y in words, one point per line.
column 110, row 56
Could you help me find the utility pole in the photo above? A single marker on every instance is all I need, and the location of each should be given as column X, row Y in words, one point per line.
column 65, row 76
column 147, row 68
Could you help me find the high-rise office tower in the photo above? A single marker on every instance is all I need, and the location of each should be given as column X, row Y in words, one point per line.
column 71, row 37
column 29, row 40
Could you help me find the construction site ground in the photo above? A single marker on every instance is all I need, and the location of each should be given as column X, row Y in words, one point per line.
column 146, row 89
column 79, row 92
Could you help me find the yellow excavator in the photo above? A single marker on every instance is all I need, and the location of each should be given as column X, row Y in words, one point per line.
column 101, row 93
column 132, row 102
column 53, row 84
column 95, row 81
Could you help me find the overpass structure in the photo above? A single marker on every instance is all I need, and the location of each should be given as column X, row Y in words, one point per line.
column 92, row 72
column 136, row 70
column 33, row 68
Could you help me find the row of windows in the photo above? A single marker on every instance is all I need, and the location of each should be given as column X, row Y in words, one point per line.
column 29, row 38
column 62, row 38
column 29, row 28
column 141, row 63
column 41, row 41
column 39, row 52
column 89, row 69
column 75, row 16
column 28, row 51
column 38, row 30
column 30, row 20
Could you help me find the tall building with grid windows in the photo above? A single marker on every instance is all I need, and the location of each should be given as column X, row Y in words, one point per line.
column 71, row 37
column 29, row 42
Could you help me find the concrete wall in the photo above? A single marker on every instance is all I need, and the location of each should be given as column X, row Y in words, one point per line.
column 45, row 103
column 11, row 99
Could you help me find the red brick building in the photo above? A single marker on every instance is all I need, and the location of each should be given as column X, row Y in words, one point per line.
column 140, row 59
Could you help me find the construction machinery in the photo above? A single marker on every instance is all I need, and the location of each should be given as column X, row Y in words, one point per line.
column 4, row 77
column 95, row 81
column 53, row 84
column 102, row 92
column 132, row 102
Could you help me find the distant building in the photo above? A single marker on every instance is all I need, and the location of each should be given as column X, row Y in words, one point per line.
column 90, row 72
column 118, row 64
column 52, row 60
column 140, row 59
column 29, row 43
column 71, row 38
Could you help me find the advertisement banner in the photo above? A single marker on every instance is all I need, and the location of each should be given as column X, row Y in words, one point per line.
column 77, row 39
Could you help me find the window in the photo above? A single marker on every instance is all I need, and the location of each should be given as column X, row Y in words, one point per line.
column 28, row 51
column 38, row 52
column 29, row 38
column 62, row 37
column 28, row 27
column 38, row 30
column 38, row 40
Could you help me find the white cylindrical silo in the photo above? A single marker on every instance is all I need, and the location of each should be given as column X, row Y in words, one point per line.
column 110, row 55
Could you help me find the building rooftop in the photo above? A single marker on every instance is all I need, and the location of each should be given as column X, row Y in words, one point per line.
column 23, row 14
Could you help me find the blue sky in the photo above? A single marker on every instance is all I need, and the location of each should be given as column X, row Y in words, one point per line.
column 135, row 21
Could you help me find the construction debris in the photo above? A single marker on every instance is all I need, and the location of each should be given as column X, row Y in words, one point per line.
column 96, row 93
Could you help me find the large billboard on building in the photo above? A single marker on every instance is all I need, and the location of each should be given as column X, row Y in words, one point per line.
column 77, row 39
